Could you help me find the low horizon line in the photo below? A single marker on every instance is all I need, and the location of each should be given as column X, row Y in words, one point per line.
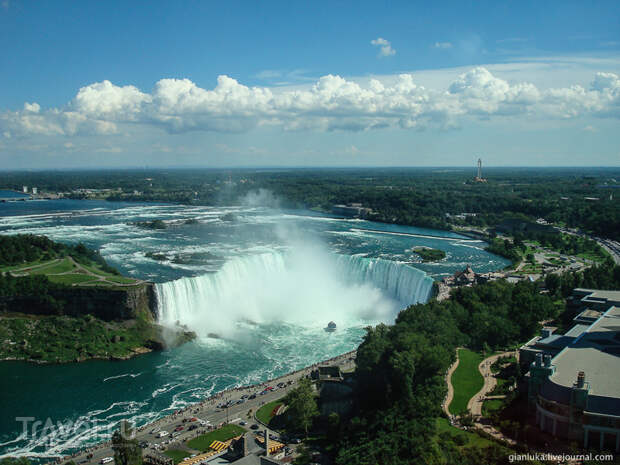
column 298, row 167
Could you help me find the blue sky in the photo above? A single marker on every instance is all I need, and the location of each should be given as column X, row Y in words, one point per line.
column 86, row 84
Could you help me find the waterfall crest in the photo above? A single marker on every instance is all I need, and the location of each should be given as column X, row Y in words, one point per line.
column 286, row 287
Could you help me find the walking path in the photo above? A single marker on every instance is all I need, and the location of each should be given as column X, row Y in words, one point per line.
column 77, row 268
column 474, row 406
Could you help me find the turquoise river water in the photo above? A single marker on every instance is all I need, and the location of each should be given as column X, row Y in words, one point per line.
column 264, row 280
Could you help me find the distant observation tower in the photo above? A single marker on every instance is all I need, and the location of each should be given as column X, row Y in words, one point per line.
column 479, row 177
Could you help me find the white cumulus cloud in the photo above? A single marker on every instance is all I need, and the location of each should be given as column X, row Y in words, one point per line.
column 331, row 103
column 385, row 47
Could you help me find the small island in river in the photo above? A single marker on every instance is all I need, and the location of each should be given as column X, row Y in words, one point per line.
column 430, row 255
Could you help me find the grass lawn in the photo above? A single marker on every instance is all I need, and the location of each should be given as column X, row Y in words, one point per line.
column 466, row 380
column 21, row 266
column 96, row 270
column 120, row 280
column 53, row 268
column 264, row 413
column 225, row 433
column 176, row 454
column 71, row 278
column 472, row 439
column 492, row 405
column 592, row 256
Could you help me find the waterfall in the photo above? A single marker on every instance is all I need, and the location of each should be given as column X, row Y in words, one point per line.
column 406, row 284
column 309, row 288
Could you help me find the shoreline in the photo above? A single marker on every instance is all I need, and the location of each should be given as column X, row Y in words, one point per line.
column 197, row 407
column 137, row 351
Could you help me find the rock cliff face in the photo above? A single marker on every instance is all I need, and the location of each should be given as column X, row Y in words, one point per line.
column 120, row 303
column 110, row 304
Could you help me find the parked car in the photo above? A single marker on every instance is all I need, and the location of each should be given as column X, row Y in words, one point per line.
column 106, row 460
column 179, row 428
column 242, row 423
column 161, row 434
column 254, row 426
column 253, row 396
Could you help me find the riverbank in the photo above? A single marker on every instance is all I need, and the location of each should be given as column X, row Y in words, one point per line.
column 64, row 339
column 208, row 410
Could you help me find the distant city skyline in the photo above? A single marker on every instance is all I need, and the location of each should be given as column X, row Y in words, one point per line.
column 89, row 84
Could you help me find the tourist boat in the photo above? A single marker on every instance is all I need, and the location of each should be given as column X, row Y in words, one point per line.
column 331, row 327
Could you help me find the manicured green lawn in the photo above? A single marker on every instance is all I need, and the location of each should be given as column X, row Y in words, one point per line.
column 21, row 266
column 176, row 454
column 225, row 433
column 264, row 413
column 53, row 268
column 96, row 270
column 120, row 280
column 466, row 380
column 72, row 278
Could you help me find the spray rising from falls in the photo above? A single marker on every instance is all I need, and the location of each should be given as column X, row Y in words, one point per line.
column 306, row 288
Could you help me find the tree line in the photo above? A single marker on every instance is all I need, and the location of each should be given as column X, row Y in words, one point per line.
column 411, row 196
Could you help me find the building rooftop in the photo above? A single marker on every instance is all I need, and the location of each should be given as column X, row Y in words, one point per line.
column 597, row 353
column 577, row 330
column 596, row 294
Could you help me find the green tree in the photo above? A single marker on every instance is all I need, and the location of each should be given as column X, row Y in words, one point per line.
column 125, row 446
column 301, row 405
column 333, row 424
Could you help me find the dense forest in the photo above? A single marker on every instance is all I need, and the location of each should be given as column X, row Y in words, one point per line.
column 400, row 372
column 581, row 198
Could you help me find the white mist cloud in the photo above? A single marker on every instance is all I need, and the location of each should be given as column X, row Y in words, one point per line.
column 302, row 287
column 261, row 198
column 385, row 49
column 442, row 45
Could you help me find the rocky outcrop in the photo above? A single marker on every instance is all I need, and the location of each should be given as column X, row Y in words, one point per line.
column 121, row 303
column 113, row 304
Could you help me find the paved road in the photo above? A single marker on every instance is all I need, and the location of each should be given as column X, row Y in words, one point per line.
column 613, row 247
column 208, row 411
